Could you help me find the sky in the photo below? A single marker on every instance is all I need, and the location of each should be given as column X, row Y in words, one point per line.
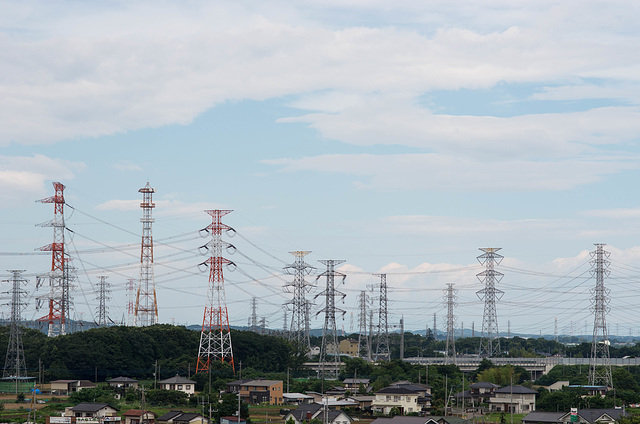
column 398, row 139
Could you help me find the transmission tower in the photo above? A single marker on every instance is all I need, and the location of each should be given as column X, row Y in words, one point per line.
column 555, row 330
column 299, row 305
column 450, row 297
column 58, row 297
column 14, row 364
column 435, row 329
column 215, row 339
column 284, row 326
column 103, row 296
column 600, row 375
column 363, row 300
column 146, row 311
column 490, row 341
column 329, row 331
column 382, row 348
column 263, row 326
column 253, row 320
column 131, row 302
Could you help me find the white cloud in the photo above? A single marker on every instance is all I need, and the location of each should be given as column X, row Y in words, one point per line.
column 620, row 213
column 163, row 208
column 102, row 70
column 405, row 172
column 23, row 178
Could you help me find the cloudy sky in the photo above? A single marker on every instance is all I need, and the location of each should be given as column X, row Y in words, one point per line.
column 398, row 139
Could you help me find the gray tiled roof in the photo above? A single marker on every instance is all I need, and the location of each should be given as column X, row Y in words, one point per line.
column 177, row 380
column 517, row 390
column 543, row 417
column 90, row 407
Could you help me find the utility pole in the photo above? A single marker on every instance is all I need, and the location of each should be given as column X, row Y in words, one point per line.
column 146, row 310
column 299, row 305
column 490, row 341
column 14, row 364
column 329, row 331
column 600, row 374
column 402, row 338
column 450, row 297
column 215, row 338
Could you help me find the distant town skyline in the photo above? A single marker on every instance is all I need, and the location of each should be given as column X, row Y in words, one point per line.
column 399, row 140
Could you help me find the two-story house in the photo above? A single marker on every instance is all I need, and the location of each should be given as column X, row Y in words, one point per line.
column 258, row 391
column 92, row 410
column 349, row 347
column 406, row 397
column 305, row 413
column 516, row 399
column 354, row 384
column 124, row 383
column 178, row 383
column 66, row 387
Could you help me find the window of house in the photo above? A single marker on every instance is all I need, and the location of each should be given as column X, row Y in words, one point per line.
column 179, row 386
column 388, row 398
column 396, row 398
column 188, row 387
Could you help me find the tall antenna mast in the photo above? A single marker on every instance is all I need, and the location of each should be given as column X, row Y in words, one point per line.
column 215, row 338
column 600, row 375
column 146, row 311
column 450, row 298
column 14, row 364
column 103, row 296
column 58, row 297
column 490, row 341
column 382, row 348
column 329, row 331
column 299, row 305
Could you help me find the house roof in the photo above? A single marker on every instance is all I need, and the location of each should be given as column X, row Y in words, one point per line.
column 300, row 413
column 356, row 381
column 543, row 417
column 296, row 396
column 233, row 418
column 91, row 407
column 592, row 415
column 484, row 385
column 177, row 380
column 238, row 382
column 516, row 390
column 332, row 415
column 261, row 383
column 138, row 413
column 403, row 419
column 122, row 380
column 405, row 388
column 186, row 417
column 169, row 416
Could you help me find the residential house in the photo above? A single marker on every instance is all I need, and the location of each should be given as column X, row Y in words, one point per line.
column 516, row 399
column 349, row 347
column 364, row 402
column 258, row 391
column 305, row 413
column 592, row 390
column 124, row 383
column 478, row 393
column 91, row 410
column 138, row 416
column 558, row 385
column 178, row 383
column 406, row 397
column 353, row 384
column 65, row 387
column 179, row 417
column 401, row 419
column 232, row 420
column 584, row 416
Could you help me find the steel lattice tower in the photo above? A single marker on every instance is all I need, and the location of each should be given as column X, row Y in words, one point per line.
column 14, row 363
column 299, row 305
column 329, row 331
column 103, row 296
column 435, row 328
column 600, row 375
column 490, row 340
column 146, row 311
column 382, row 348
column 450, row 298
column 363, row 300
column 253, row 319
column 131, row 302
column 58, row 297
column 215, row 339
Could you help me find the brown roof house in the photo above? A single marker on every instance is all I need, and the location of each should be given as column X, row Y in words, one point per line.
column 138, row 416
column 258, row 391
column 178, row 383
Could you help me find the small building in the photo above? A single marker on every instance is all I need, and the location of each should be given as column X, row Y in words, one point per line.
column 65, row 387
column 138, row 416
column 124, row 383
column 354, row 384
column 179, row 417
column 232, row 420
column 178, row 383
column 516, row 399
column 296, row 398
column 558, row 385
column 364, row 402
column 91, row 410
column 349, row 347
